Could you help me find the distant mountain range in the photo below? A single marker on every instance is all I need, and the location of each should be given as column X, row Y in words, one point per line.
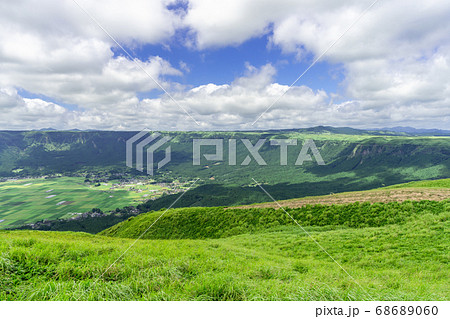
column 398, row 130
column 412, row 130
column 321, row 129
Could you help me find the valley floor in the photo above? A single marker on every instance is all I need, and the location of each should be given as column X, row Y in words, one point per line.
column 29, row 200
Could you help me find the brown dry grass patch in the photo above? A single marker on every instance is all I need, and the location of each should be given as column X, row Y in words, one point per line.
column 373, row 196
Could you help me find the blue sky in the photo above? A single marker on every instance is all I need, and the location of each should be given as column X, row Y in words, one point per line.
column 224, row 64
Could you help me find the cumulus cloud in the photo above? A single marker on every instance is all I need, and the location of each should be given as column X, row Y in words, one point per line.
column 54, row 49
column 228, row 106
column 21, row 113
column 396, row 56
column 395, row 63
column 136, row 20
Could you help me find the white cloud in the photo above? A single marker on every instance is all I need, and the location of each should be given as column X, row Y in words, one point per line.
column 134, row 20
column 233, row 106
column 395, row 62
column 22, row 113
column 395, row 58
column 230, row 22
column 54, row 49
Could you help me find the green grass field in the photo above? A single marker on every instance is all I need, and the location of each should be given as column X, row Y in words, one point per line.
column 439, row 183
column 403, row 261
column 30, row 200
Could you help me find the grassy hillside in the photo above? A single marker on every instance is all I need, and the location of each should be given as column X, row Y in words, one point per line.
column 406, row 259
column 286, row 193
column 195, row 223
column 440, row 183
column 421, row 190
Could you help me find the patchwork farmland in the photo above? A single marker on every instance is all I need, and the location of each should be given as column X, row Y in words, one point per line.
column 29, row 200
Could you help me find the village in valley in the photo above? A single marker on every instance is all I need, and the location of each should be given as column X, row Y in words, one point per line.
column 80, row 195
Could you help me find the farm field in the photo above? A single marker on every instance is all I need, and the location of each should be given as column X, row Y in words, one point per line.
column 405, row 260
column 29, row 200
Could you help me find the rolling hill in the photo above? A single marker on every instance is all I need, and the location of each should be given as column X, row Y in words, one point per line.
column 395, row 251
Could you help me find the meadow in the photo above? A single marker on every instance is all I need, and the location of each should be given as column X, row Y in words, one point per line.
column 406, row 259
column 29, row 200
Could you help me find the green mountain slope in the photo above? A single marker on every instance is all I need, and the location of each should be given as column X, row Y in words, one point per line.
column 365, row 159
column 195, row 223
